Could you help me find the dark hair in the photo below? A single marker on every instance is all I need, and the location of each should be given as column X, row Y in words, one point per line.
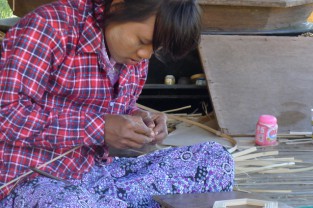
column 177, row 28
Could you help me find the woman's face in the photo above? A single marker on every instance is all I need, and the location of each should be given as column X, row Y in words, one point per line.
column 129, row 43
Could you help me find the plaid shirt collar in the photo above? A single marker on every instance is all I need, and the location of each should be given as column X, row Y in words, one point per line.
column 91, row 34
column 90, row 37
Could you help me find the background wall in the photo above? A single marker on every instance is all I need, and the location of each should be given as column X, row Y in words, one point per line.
column 5, row 10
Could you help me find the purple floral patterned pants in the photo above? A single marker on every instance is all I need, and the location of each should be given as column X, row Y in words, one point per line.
column 131, row 182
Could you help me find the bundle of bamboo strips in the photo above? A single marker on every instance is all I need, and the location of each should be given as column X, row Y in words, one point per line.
column 255, row 161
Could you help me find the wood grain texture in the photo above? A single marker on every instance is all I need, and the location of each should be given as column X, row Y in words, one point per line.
column 23, row 7
column 258, row 3
column 253, row 75
column 253, row 18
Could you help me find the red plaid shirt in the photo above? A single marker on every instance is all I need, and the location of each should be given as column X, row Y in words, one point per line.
column 55, row 91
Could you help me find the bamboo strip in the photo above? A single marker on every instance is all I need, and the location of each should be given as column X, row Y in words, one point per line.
column 260, row 162
column 40, row 166
column 260, row 154
column 285, row 170
column 177, row 109
column 294, row 140
column 301, row 133
column 218, row 133
column 242, row 179
column 296, row 150
column 268, row 191
column 259, row 169
column 293, row 136
column 276, row 178
column 241, row 164
column 307, row 142
column 244, row 152
column 242, row 135
column 290, row 159
column 36, row 170
column 278, row 135
column 275, row 183
column 187, row 115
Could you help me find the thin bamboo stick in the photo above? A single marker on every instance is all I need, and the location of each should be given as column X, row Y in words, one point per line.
column 268, row 191
column 244, row 152
column 260, row 154
column 275, row 183
column 255, row 163
column 218, row 133
column 304, row 142
column 177, row 109
column 187, row 115
column 286, row 170
column 259, row 169
column 295, row 140
column 281, row 159
column 278, row 135
column 40, row 166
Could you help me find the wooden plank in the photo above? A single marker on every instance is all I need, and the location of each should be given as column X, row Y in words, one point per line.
column 232, row 19
column 253, row 75
column 22, row 7
column 203, row 200
column 259, row 3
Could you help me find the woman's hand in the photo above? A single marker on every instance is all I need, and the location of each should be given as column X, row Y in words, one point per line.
column 155, row 121
column 125, row 131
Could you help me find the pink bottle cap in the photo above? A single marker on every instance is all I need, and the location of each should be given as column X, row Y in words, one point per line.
column 269, row 119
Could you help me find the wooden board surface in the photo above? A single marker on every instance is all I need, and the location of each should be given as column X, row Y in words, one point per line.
column 235, row 19
column 294, row 189
column 22, row 7
column 259, row 3
column 204, row 200
column 253, row 75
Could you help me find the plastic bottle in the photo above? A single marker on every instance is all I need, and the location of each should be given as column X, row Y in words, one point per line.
column 266, row 131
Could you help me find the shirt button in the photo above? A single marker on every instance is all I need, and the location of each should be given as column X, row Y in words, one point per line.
column 111, row 104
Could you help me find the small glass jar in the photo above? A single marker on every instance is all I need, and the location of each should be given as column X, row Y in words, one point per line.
column 169, row 80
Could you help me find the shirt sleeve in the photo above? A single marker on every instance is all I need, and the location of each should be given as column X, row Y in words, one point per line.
column 31, row 50
column 143, row 69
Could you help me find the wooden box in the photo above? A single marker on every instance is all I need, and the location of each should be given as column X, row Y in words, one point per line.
column 230, row 15
column 255, row 15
